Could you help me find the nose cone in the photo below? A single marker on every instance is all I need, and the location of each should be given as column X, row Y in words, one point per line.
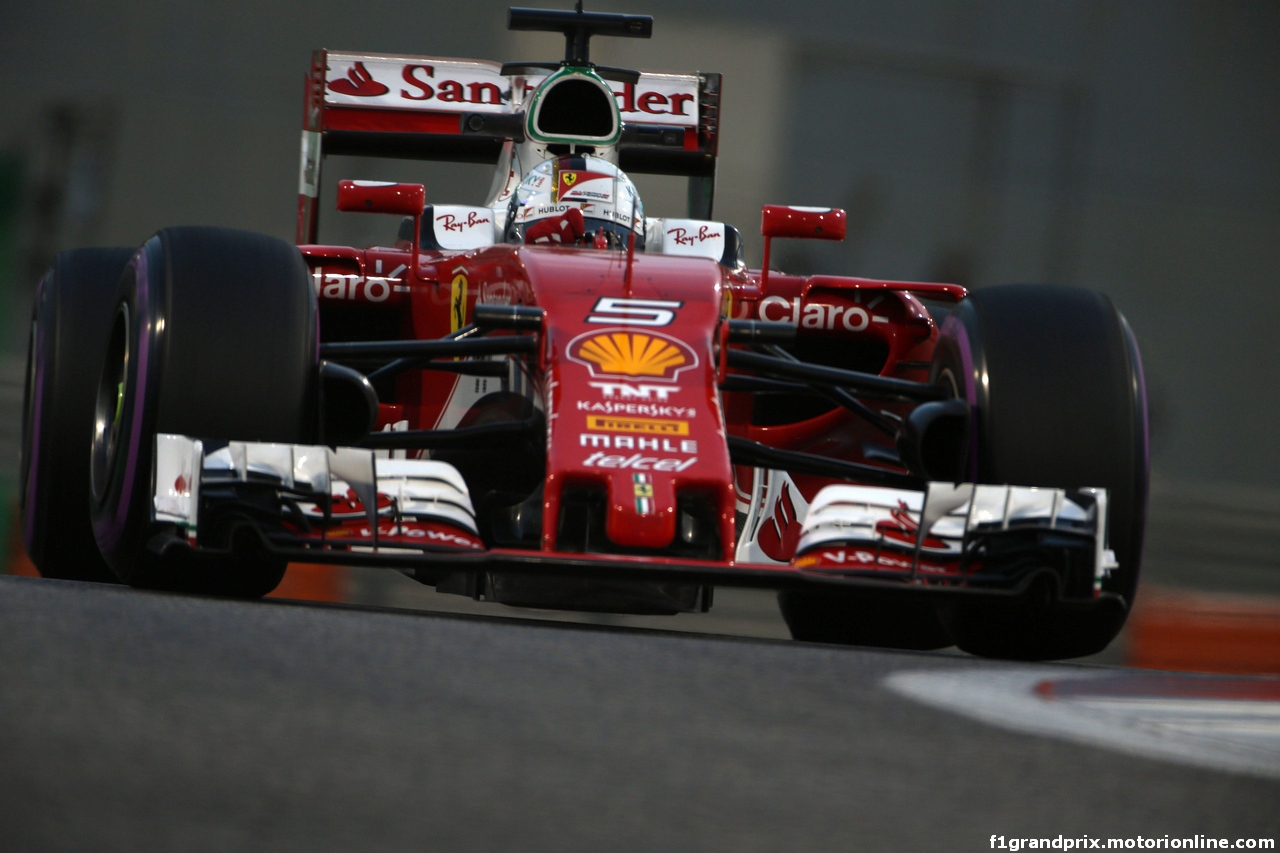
column 633, row 408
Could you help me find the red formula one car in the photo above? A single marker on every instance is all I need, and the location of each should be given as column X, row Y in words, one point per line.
column 554, row 400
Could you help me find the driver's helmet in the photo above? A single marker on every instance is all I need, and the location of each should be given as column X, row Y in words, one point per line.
column 607, row 204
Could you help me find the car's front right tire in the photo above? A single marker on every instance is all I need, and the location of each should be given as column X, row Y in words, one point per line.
column 70, row 320
column 213, row 336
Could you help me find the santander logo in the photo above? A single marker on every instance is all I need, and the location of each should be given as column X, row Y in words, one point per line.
column 359, row 83
column 438, row 84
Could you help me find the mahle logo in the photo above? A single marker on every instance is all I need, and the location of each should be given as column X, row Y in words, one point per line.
column 618, row 352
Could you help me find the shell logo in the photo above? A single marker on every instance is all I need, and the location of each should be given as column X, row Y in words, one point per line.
column 619, row 352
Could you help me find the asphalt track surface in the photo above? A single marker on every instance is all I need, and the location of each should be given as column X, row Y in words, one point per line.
column 139, row 721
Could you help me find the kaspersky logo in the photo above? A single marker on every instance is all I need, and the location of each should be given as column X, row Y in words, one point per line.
column 642, row 355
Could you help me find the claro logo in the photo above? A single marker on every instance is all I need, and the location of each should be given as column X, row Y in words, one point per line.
column 355, row 287
column 817, row 315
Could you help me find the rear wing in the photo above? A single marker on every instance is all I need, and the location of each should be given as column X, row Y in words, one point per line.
column 433, row 108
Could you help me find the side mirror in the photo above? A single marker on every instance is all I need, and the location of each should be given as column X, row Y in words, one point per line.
column 803, row 223
column 380, row 197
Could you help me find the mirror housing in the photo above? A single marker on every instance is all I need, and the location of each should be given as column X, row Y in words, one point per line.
column 802, row 223
column 382, row 197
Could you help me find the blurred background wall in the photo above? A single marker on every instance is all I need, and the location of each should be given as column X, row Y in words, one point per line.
column 1130, row 147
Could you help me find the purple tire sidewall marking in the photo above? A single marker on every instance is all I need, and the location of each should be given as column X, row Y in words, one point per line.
column 956, row 330
column 1141, row 376
column 32, row 460
column 111, row 531
column 1142, row 391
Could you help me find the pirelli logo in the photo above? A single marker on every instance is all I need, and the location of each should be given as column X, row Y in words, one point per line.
column 637, row 426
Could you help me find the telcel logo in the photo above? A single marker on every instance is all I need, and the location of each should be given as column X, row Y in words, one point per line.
column 638, row 462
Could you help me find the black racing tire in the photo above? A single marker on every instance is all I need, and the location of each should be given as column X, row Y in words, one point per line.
column 1055, row 383
column 886, row 619
column 214, row 336
column 70, row 319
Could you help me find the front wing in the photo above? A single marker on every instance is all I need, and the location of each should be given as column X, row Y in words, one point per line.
column 352, row 506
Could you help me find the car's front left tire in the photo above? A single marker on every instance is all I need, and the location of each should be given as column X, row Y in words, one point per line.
column 1055, row 384
column 887, row 619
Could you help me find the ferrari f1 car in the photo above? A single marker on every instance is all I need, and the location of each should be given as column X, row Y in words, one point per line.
column 554, row 400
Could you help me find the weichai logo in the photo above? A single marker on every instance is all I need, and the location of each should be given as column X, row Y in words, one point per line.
column 618, row 352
